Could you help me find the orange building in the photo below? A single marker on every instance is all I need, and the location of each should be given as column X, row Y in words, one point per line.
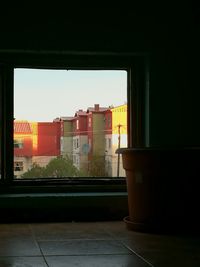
column 34, row 142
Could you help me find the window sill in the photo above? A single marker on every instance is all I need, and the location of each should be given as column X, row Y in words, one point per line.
column 63, row 206
column 64, row 185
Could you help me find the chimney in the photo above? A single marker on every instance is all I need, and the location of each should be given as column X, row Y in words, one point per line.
column 96, row 107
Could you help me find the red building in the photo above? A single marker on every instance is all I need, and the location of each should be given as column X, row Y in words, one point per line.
column 23, row 142
column 108, row 121
column 35, row 143
column 80, row 123
column 48, row 139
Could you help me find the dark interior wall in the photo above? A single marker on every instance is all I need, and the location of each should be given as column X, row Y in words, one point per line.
column 174, row 88
column 169, row 35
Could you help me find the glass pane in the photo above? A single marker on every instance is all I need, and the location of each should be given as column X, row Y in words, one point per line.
column 69, row 123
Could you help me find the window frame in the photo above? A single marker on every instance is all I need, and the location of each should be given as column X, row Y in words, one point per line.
column 137, row 67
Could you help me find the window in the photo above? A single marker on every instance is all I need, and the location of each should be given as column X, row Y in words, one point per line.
column 18, row 166
column 18, row 143
column 40, row 131
column 74, row 144
column 89, row 122
column 109, row 143
column 41, row 142
column 77, row 143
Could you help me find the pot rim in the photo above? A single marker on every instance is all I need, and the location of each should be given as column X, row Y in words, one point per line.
column 125, row 150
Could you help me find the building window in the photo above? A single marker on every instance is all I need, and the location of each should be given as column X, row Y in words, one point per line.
column 109, row 143
column 74, row 144
column 18, row 143
column 18, row 166
column 89, row 122
column 77, row 124
column 77, row 143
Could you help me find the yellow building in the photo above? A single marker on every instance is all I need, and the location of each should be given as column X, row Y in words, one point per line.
column 119, row 119
column 115, row 139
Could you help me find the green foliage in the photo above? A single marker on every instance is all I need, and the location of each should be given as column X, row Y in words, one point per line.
column 59, row 167
column 35, row 172
column 97, row 166
column 62, row 167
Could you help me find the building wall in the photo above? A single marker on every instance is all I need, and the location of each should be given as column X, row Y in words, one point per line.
column 42, row 161
column 67, row 128
column 48, row 139
column 98, row 138
column 39, row 146
column 23, row 147
column 66, row 140
column 66, row 146
column 90, row 134
column 108, row 121
column 80, row 124
column 119, row 119
column 108, row 155
column 34, row 126
column 115, row 156
column 80, row 157
column 26, row 163
column 27, row 145
column 83, row 152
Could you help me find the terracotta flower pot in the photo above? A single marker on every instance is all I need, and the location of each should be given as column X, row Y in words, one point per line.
column 141, row 166
column 161, row 186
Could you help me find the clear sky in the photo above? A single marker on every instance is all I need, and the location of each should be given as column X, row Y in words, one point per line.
column 43, row 95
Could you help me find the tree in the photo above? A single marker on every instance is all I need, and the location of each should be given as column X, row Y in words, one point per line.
column 97, row 166
column 35, row 172
column 59, row 167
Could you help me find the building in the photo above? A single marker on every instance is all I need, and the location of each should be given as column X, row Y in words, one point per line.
column 80, row 140
column 35, row 142
column 66, row 140
column 96, row 140
column 91, row 137
column 24, row 146
column 83, row 138
column 109, row 153
column 115, row 137
column 48, row 142
column 96, row 130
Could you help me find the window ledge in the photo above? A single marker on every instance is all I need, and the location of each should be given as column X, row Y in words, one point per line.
column 63, row 195
column 63, row 206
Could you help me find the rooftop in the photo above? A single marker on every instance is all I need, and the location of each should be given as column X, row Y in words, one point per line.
column 22, row 127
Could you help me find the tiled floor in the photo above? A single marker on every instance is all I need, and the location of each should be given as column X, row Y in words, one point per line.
column 102, row 244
